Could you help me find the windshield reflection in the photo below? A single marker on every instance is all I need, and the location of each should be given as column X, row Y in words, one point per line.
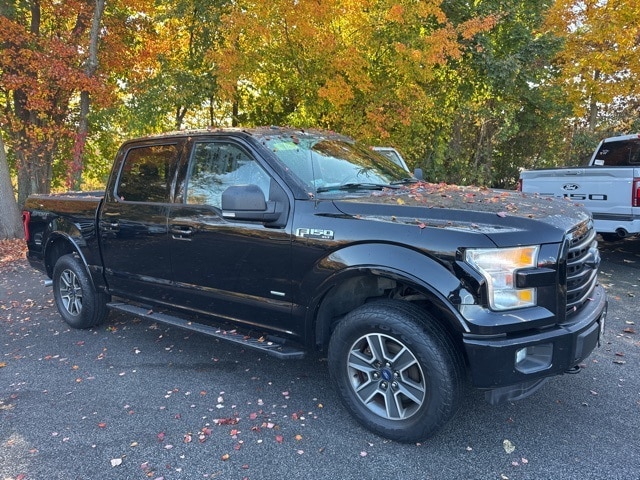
column 325, row 164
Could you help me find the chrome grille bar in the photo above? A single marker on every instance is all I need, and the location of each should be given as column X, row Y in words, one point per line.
column 582, row 268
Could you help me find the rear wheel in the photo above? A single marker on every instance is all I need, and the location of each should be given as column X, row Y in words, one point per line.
column 396, row 369
column 76, row 299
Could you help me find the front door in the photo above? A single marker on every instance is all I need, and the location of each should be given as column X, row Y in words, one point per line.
column 235, row 270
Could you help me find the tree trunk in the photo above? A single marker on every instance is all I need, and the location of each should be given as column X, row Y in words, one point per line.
column 10, row 224
column 35, row 169
column 234, row 114
column 74, row 176
column 34, row 173
column 212, row 122
column 593, row 106
column 180, row 113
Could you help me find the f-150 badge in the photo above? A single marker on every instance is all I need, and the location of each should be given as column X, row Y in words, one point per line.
column 314, row 233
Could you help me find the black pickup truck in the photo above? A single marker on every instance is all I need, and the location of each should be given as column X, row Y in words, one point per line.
column 290, row 241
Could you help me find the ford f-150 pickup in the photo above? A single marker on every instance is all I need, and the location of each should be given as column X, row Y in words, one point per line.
column 609, row 186
column 289, row 241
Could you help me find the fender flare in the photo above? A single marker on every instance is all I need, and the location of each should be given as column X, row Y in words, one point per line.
column 61, row 230
column 385, row 260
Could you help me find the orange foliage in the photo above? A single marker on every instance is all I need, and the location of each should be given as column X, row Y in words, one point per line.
column 362, row 59
column 43, row 71
column 396, row 14
column 337, row 91
column 601, row 56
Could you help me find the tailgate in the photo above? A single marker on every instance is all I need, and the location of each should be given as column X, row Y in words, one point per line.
column 602, row 190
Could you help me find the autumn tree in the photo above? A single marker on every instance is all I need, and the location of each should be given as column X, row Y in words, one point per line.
column 365, row 68
column 90, row 68
column 469, row 91
column 47, row 72
column 454, row 85
column 599, row 65
column 36, row 77
column 502, row 109
column 181, row 88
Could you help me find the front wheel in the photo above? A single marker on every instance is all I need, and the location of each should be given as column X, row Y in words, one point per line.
column 396, row 369
column 76, row 299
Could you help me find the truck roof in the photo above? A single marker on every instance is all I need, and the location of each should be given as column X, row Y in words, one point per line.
column 258, row 132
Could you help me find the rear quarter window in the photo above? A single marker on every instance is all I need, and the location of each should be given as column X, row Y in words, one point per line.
column 147, row 174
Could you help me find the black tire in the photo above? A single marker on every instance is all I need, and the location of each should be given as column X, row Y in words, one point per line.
column 76, row 299
column 610, row 237
column 397, row 371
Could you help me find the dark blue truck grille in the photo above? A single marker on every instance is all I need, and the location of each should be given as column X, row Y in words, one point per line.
column 583, row 261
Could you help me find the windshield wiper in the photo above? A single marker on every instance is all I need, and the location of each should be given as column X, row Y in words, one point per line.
column 405, row 181
column 354, row 186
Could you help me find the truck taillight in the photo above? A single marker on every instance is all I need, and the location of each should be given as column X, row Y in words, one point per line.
column 635, row 193
column 26, row 217
column 519, row 185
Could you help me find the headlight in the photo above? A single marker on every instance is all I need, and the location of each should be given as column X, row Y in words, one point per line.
column 498, row 266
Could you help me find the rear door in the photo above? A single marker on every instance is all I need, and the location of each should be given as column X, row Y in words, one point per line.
column 133, row 220
column 236, row 270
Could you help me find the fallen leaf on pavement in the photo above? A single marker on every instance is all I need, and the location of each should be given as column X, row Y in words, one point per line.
column 508, row 446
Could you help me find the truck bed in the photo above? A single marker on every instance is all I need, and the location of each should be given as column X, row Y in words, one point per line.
column 73, row 214
column 76, row 203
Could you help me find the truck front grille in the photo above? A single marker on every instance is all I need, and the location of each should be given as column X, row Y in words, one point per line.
column 583, row 261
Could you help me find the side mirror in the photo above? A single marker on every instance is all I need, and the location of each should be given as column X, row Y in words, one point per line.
column 418, row 174
column 247, row 202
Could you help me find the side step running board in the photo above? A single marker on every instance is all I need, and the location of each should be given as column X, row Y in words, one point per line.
column 278, row 350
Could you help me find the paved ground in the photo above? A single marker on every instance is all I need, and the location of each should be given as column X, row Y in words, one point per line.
column 134, row 400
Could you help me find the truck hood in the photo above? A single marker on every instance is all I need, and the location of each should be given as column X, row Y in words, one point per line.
column 506, row 217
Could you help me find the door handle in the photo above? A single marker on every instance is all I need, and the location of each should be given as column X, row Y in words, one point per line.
column 181, row 232
column 112, row 226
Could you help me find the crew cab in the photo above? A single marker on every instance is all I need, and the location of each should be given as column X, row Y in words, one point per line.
column 289, row 241
column 609, row 186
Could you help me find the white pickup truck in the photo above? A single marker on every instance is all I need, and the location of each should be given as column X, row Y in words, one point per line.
column 609, row 186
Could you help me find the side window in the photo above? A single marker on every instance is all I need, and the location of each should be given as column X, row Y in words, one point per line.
column 215, row 166
column 147, row 174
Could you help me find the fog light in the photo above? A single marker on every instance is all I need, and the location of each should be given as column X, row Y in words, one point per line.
column 534, row 359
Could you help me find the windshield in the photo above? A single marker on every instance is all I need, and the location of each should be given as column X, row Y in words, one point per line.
column 326, row 163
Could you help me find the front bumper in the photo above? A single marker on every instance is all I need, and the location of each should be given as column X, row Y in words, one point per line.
column 493, row 360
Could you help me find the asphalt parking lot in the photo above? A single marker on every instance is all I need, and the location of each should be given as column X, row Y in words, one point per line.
column 135, row 400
